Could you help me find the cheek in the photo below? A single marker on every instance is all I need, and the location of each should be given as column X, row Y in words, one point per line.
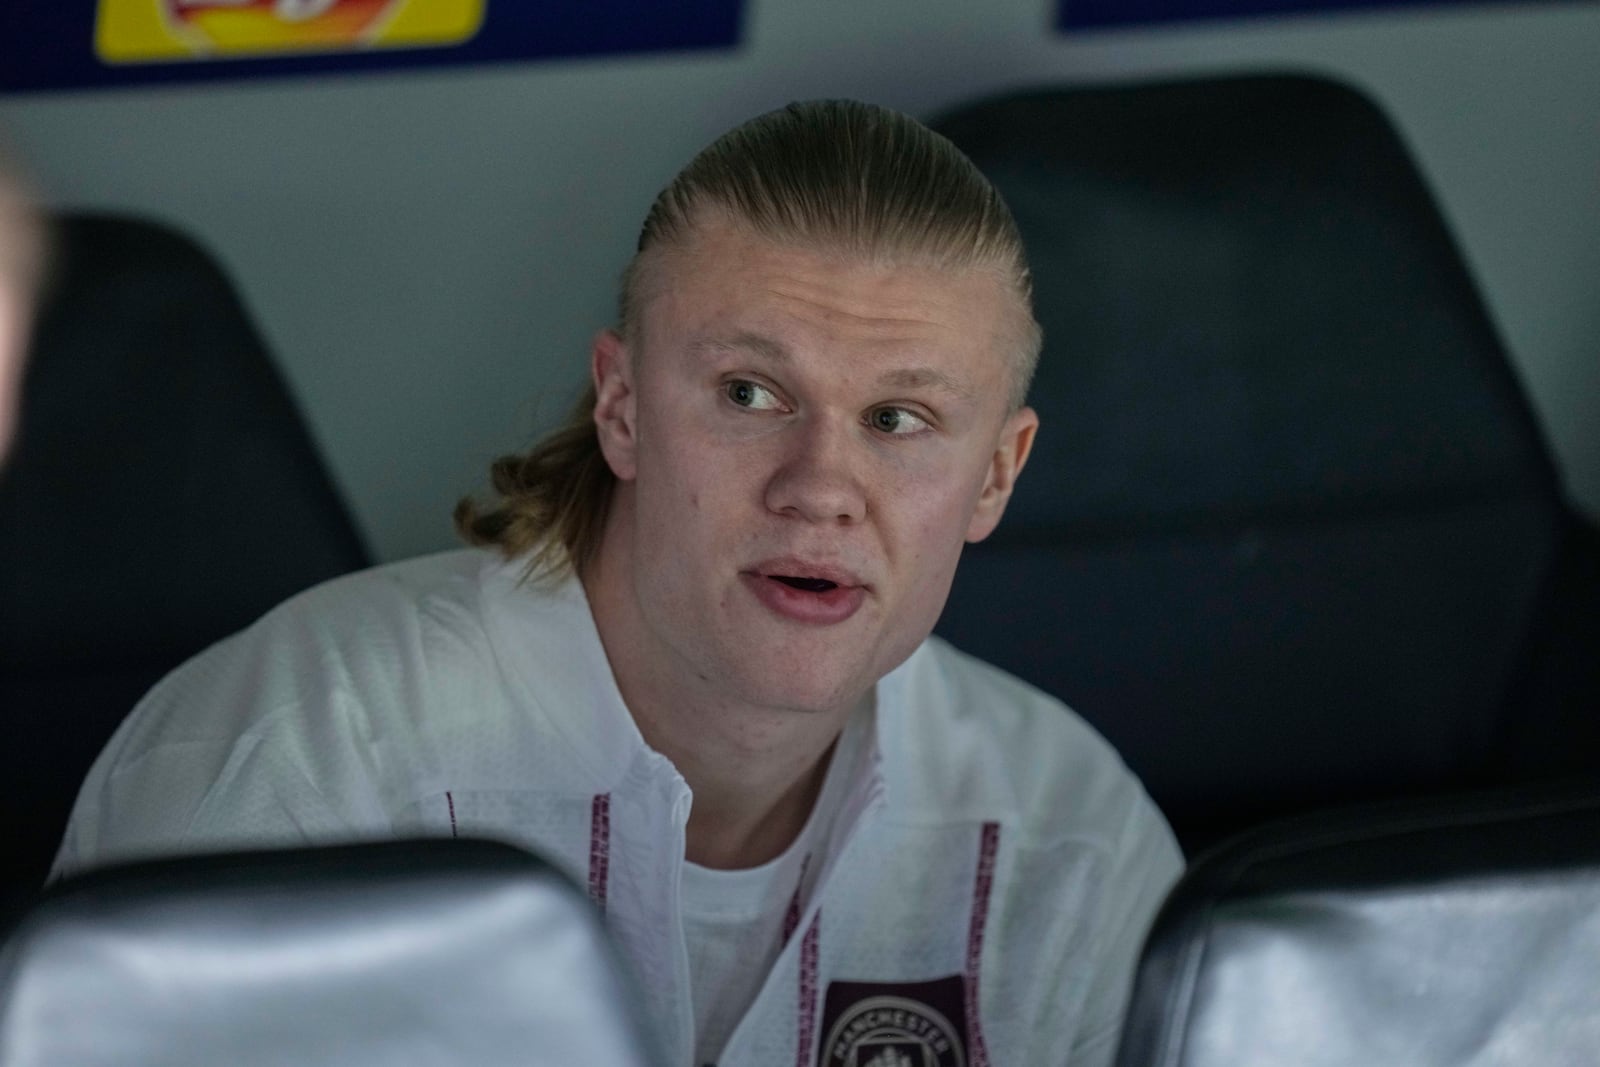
column 937, row 501
column 924, row 550
column 690, row 483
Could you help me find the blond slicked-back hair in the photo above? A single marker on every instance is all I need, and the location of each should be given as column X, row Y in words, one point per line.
column 834, row 174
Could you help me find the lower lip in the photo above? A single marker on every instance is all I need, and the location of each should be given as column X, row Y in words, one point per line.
column 821, row 609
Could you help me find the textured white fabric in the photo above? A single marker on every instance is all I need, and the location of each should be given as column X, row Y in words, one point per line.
column 441, row 696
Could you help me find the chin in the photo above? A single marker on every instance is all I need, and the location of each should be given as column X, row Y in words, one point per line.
column 816, row 695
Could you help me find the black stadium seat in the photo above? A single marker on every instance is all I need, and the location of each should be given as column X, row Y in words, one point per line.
column 163, row 492
column 1290, row 535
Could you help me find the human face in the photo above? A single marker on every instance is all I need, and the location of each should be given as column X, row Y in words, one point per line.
column 803, row 441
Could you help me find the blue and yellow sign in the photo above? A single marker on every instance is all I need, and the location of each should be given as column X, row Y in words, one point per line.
column 74, row 44
column 146, row 31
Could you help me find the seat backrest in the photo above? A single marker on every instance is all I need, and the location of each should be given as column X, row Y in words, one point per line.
column 163, row 493
column 1421, row 934
column 1289, row 534
column 420, row 952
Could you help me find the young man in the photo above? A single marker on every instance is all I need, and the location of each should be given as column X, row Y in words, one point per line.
column 694, row 662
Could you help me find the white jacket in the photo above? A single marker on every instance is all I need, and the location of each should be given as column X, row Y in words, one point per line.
column 981, row 896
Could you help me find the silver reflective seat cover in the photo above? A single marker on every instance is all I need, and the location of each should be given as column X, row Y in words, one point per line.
column 419, row 953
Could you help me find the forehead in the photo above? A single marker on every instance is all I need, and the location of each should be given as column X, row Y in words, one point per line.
column 726, row 280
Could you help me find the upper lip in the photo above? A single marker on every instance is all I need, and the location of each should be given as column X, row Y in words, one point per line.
column 797, row 567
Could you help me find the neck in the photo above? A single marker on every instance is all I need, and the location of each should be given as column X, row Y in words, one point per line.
column 755, row 771
column 741, row 817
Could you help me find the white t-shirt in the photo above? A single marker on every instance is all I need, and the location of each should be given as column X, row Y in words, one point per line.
column 736, row 922
column 983, row 887
column 733, row 926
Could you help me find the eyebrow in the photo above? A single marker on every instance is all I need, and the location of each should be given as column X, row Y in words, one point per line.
column 899, row 378
column 927, row 378
column 749, row 342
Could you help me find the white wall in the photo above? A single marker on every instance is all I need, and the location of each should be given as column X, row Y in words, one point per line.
column 428, row 254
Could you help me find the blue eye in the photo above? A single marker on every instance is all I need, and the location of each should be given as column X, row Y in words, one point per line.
column 748, row 394
column 890, row 420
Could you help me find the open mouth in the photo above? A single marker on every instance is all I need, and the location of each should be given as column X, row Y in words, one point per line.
column 809, row 585
column 796, row 589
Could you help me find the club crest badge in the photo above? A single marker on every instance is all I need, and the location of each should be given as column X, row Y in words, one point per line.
column 911, row 1024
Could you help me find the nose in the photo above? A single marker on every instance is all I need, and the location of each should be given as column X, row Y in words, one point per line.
column 815, row 479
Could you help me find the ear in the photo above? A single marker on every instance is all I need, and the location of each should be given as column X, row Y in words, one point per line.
column 1011, row 452
column 615, row 408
